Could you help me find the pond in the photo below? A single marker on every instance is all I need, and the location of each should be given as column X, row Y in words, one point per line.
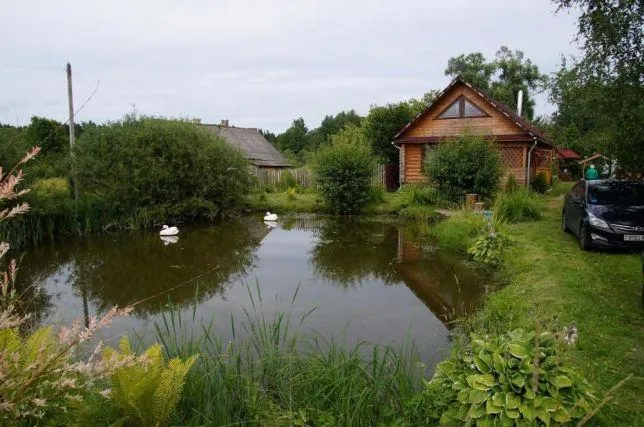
column 364, row 280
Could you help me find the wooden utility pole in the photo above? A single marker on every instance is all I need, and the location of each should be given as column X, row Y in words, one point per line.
column 72, row 136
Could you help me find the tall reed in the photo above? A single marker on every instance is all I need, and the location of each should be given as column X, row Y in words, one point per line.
column 275, row 375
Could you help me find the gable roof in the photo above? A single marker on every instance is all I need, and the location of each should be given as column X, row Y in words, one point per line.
column 567, row 154
column 255, row 147
column 523, row 124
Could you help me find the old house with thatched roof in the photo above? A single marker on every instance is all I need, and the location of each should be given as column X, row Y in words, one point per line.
column 259, row 152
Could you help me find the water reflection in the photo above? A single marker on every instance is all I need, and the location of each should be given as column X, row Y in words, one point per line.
column 139, row 267
column 371, row 280
column 349, row 251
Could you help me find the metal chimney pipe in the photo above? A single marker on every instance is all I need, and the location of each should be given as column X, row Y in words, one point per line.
column 520, row 103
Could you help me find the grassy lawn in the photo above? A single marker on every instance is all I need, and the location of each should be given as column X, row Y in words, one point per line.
column 551, row 280
column 394, row 203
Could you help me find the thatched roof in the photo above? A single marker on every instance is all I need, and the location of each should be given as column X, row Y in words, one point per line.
column 255, row 147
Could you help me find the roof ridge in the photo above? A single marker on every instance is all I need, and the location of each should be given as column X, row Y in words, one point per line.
column 522, row 123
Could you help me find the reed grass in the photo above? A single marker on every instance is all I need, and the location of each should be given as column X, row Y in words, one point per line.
column 518, row 206
column 276, row 375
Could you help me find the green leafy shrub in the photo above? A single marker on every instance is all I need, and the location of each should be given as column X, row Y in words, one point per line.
column 147, row 392
column 490, row 247
column 466, row 164
column 343, row 170
column 539, row 183
column 290, row 194
column 515, row 379
column 511, row 185
column 143, row 162
column 286, row 181
column 518, row 206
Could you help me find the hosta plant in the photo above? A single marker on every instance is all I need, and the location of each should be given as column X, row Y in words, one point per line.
column 490, row 246
column 516, row 379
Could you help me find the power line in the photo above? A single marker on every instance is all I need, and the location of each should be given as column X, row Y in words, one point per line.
column 42, row 67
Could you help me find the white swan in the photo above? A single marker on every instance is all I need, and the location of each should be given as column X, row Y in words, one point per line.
column 168, row 231
column 270, row 217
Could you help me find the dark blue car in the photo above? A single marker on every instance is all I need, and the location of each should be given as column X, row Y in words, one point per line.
column 605, row 212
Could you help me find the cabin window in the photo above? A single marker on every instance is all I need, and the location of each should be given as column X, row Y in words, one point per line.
column 462, row 107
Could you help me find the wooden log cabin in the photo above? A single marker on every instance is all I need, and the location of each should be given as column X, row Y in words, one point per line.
column 462, row 108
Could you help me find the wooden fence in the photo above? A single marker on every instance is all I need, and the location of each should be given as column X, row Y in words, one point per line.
column 304, row 177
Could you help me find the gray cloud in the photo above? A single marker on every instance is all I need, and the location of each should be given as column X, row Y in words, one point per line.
column 256, row 62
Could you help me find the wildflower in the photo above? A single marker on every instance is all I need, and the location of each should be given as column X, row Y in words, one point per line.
column 106, row 393
column 39, row 402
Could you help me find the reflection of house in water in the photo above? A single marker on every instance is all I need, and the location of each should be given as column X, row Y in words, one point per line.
column 444, row 283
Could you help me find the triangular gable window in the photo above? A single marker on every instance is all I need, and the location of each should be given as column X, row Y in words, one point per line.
column 462, row 107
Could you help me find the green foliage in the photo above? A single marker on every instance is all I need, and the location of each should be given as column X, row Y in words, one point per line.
column 51, row 135
column 295, row 138
column 502, row 78
column 332, row 125
column 520, row 377
column 419, row 194
column 466, row 164
column 286, row 181
column 147, row 392
column 511, row 184
column 145, row 162
column 473, row 67
column 599, row 94
column 490, row 247
column 344, row 170
column 457, row 232
column 33, row 368
column 539, row 183
column 518, row 206
column 290, row 194
column 382, row 124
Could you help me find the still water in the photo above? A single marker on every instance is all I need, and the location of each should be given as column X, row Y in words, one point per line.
column 367, row 280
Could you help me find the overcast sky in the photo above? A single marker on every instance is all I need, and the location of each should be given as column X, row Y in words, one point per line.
column 259, row 63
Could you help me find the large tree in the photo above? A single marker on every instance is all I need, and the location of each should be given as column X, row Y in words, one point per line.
column 502, row 77
column 295, row 138
column 332, row 125
column 599, row 95
column 382, row 124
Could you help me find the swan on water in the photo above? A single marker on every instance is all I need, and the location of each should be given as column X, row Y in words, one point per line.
column 270, row 217
column 168, row 231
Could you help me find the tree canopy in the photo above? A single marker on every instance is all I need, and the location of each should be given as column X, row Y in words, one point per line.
column 502, row 77
column 599, row 94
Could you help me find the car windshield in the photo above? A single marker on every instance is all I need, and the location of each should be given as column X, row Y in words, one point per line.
column 617, row 193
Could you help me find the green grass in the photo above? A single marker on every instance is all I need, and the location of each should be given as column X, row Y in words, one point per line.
column 277, row 377
column 280, row 202
column 394, row 203
column 552, row 281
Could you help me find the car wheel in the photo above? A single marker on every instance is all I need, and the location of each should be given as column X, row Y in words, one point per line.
column 564, row 223
column 584, row 237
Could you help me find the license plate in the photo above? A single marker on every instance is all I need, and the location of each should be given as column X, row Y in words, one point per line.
column 634, row 237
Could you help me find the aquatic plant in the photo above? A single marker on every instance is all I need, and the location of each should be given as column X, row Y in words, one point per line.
column 276, row 375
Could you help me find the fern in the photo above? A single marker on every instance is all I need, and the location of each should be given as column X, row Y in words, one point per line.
column 148, row 391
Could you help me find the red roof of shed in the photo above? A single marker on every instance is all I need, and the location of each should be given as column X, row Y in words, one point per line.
column 567, row 154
